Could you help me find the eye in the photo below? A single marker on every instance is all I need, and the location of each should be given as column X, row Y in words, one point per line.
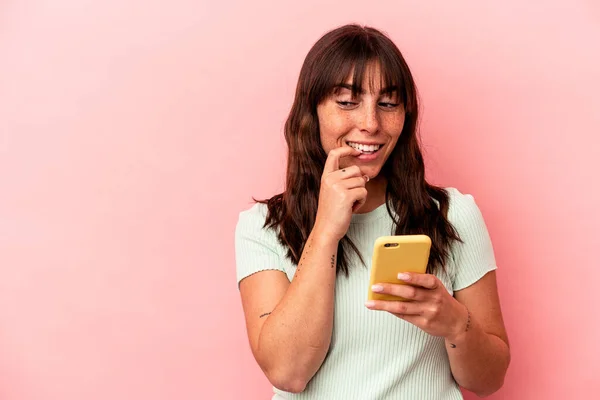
column 346, row 104
column 388, row 105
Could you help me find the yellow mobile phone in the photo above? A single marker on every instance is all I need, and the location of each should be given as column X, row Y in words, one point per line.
column 395, row 254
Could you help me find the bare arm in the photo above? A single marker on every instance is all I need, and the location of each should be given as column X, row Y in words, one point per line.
column 479, row 356
column 289, row 324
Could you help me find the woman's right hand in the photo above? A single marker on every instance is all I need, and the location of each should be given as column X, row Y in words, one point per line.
column 342, row 193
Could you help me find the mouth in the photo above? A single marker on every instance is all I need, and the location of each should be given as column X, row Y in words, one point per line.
column 365, row 149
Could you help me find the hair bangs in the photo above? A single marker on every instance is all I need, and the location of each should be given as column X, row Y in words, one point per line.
column 355, row 58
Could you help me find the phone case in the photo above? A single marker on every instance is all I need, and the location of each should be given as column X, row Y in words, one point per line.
column 395, row 254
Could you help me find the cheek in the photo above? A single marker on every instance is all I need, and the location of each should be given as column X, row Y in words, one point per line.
column 333, row 125
column 394, row 124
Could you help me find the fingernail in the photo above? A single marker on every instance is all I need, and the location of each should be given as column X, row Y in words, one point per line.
column 403, row 276
column 370, row 303
column 377, row 288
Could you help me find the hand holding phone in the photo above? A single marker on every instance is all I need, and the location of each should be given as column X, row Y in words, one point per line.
column 395, row 254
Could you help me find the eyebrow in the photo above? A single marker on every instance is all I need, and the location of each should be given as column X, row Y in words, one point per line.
column 388, row 89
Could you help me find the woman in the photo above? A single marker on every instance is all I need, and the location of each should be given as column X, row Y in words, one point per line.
column 355, row 172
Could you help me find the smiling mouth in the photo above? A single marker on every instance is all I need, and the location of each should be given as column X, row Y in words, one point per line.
column 365, row 149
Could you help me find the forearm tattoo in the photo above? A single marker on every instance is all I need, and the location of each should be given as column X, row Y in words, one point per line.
column 304, row 254
column 265, row 314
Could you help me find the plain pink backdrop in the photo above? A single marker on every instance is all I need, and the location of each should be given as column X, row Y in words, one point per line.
column 133, row 132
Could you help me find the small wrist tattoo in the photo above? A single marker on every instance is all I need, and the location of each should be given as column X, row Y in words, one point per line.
column 265, row 314
column 468, row 325
column 333, row 261
column 468, row 319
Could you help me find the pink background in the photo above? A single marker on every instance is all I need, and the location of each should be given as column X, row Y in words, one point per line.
column 132, row 133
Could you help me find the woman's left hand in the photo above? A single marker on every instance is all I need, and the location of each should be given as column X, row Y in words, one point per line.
column 430, row 306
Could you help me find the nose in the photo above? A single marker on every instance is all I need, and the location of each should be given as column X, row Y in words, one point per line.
column 369, row 119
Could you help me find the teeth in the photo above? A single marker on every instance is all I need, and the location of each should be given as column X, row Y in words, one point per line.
column 365, row 148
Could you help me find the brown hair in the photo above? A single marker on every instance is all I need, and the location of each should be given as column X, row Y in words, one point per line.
column 328, row 64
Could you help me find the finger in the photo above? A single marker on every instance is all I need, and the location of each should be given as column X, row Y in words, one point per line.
column 395, row 307
column 405, row 291
column 333, row 158
column 352, row 183
column 427, row 281
column 348, row 172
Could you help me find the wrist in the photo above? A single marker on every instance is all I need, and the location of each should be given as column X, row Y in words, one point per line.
column 462, row 325
column 323, row 237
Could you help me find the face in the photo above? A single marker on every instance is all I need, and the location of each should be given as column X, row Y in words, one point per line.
column 371, row 122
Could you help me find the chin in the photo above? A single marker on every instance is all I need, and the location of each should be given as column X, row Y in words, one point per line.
column 371, row 172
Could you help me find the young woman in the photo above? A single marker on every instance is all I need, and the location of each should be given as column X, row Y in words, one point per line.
column 355, row 172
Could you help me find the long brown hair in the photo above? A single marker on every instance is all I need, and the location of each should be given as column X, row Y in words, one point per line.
column 328, row 63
